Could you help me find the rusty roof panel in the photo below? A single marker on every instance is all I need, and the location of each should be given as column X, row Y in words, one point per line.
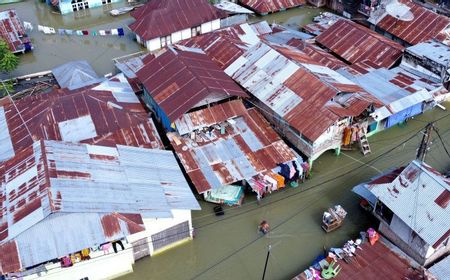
column 88, row 115
column 269, row 6
column 246, row 146
column 12, row 31
column 180, row 80
column 280, row 78
column 425, row 25
column 51, row 184
column 163, row 17
column 354, row 42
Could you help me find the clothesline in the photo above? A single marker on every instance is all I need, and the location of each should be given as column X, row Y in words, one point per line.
column 62, row 31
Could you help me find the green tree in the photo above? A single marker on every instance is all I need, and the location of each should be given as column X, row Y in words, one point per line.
column 8, row 62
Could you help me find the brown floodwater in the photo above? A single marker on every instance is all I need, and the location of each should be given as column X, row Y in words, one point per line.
column 53, row 50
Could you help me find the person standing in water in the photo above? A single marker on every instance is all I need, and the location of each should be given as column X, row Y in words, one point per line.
column 264, row 227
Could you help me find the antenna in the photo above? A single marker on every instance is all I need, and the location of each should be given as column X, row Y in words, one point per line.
column 399, row 11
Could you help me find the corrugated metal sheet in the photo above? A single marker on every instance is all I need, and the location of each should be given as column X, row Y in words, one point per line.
column 12, row 31
column 181, row 80
column 297, row 91
column 6, row 148
column 425, row 25
column 397, row 89
column 247, row 147
column 441, row 270
column 269, row 6
column 75, row 74
column 232, row 8
column 163, row 17
column 412, row 197
column 317, row 54
column 354, row 43
column 113, row 118
column 432, row 50
column 66, row 186
column 376, row 261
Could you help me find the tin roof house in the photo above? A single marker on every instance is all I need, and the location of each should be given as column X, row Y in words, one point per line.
column 70, row 6
column 432, row 58
column 402, row 92
column 60, row 201
column 106, row 113
column 163, row 22
column 412, row 23
column 226, row 147
column 307, row 103
column 88, row 164
column 264, row 7
column 412, row 204
column 356, row 44
column 13, row 32
column 179, row 81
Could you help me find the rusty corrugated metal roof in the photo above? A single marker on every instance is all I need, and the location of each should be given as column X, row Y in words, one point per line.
column 296, row 91
column 247, row 147
column 12, row 31
column 66, row 186
column 269, row 6
column 317, row 54
column 180, row 80
column 107, row 114
column 160, row 18
column 225, row 45
column 425, row 25
column 354, row 43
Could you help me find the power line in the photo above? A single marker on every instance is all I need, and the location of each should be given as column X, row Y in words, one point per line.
column 442, row 141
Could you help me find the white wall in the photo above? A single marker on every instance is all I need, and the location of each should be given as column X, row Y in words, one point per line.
column 206, row 27
column 215, row 24
column 106, row 266
column 176, row 36
column 157, row 225
column 154, row 44
column 186, row 33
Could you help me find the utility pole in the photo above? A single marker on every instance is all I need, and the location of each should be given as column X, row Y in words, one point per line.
column 426, row 139
column 267, row 260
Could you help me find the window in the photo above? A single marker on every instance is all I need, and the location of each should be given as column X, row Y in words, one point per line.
column 384, row 212
column 170, row 235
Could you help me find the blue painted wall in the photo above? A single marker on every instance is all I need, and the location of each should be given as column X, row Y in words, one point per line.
column 160, row 114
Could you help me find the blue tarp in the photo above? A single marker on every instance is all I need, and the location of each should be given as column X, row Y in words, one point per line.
column 403, row 115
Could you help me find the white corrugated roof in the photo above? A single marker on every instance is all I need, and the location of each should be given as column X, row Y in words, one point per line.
column 441, row 270
column 413, row 197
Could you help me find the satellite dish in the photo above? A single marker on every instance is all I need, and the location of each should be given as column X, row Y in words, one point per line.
column 399, row 11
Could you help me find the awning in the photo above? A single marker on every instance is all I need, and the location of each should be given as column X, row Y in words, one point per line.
column 363, row 192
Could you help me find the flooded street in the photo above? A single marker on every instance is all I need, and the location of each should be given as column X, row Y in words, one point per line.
column 230, row 247
column 53, row 50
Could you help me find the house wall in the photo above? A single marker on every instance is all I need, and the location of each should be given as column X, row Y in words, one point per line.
column 154, row 225
column 155, row 43
column 159, row 113
column 403, row 237
column 66, row 6
column 329, row 140
column 100, row 267
column 112, row 265
column 424, row 65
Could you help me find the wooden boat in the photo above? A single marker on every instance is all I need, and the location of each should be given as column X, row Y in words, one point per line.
column 333, row 218
column 121, row 11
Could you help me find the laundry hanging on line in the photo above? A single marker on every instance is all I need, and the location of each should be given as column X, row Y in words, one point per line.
column 50, row 30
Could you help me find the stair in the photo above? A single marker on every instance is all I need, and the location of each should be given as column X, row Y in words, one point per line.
column 363, row 141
